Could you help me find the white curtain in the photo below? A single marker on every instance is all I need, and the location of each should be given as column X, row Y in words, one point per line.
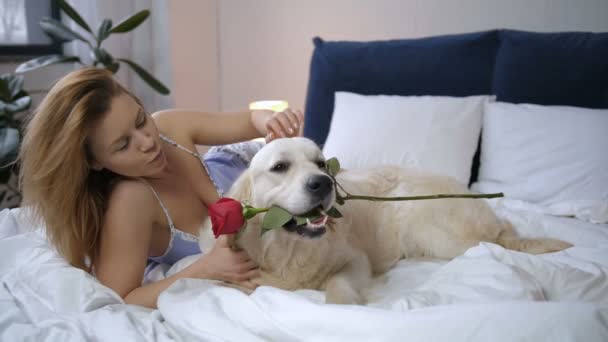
column 147, row 45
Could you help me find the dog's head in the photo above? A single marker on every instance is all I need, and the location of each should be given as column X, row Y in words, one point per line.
column 289, row 173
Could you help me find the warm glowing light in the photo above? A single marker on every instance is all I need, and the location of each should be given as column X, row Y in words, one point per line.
column 277, row 106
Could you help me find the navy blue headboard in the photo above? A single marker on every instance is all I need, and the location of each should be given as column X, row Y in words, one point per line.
column 567, row 68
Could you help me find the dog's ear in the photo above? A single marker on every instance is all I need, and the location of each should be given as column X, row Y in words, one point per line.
column 241, row 189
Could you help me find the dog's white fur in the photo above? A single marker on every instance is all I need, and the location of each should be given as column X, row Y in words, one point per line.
column 372, row 236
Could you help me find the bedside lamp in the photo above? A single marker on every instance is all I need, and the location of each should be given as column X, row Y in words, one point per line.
column 277, row 106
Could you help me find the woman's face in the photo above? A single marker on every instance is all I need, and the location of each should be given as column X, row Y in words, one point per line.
column 125, row 140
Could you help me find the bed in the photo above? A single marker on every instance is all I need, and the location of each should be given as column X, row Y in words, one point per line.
column 489, row 96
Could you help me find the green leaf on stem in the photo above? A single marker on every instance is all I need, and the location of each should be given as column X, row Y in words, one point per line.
column 104, row 30
column 103, row 57
column 5, row 175
column 276, row 217
column 333, row 166
column 333, row 212
column 40, row 62
column 152, row 82
column 300, row 220
column 55, row 29
column 16, row 106
column 14, row 83
column 5, row 90
column 72, row 13
column 9, row 145
column 113, row 67
column 313, row 214
column 131, row 22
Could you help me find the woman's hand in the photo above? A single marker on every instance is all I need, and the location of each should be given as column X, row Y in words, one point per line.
column 288, row 123
column 224, row 263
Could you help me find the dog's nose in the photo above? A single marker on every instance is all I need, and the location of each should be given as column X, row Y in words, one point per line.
column 319, row 185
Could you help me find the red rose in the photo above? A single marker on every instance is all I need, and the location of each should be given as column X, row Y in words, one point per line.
column 226, row 216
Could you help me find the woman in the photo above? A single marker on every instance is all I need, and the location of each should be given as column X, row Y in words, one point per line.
column 118, row 188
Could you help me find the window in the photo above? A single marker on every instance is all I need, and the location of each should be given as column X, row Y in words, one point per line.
column 20, row 32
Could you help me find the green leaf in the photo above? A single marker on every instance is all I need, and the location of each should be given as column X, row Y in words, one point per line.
column 152, row 82
column 102, row 56
column 14, row 85
column 58, row 31
column 9, row 145
column 131, row 22
column 5, row 176
column 5, row 90
column 113, row 67
column 276, row 217
column 300, row 220
column 17, row 105
column 333, row 212
column 312, row 214
column 333, row 166
column 21, row 94
column 43, row 61
column 104, row 30
column 72, row 13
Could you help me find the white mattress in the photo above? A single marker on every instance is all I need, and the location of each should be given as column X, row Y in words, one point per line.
column 487, row 294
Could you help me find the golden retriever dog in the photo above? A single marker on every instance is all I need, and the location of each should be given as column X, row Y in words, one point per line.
column 342, row 255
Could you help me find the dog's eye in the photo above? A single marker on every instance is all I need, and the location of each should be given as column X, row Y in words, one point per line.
column 280, row 167
column 321, row 164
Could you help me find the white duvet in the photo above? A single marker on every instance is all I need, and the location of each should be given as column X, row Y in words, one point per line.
column 487, row 294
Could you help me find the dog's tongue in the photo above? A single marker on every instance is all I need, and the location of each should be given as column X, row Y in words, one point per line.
column 319, row 220
column 316, row 223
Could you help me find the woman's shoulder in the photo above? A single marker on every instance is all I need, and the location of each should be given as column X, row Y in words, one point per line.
column 164, row 119
column 128, row 227
column 132, row 200
column 168, row 124
column 130, row 189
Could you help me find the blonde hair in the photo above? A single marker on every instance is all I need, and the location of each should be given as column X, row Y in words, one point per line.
column 56, row 177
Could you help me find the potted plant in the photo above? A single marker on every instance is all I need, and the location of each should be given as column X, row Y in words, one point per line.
column 93, row 39
column 14, row 103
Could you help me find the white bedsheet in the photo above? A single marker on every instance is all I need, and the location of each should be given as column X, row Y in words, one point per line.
column 487, row 294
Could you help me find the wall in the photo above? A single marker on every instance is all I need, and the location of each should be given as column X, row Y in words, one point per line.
column 226, row 53
column 264, row 46
column 194, row 53
column 147, row 45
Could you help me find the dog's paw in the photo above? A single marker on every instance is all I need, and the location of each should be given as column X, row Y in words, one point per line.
column 344, row 296
column 553, row 245
column 540, row 246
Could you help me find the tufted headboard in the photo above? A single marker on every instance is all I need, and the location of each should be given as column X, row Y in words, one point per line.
column 565, row 68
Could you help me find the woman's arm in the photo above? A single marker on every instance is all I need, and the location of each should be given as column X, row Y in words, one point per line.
column 125, row 245
column 204, row 128
column 220, row 263
column 125, row 242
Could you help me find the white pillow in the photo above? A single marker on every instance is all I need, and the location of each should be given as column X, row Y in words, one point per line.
column 544, row 154
column 438, row 134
